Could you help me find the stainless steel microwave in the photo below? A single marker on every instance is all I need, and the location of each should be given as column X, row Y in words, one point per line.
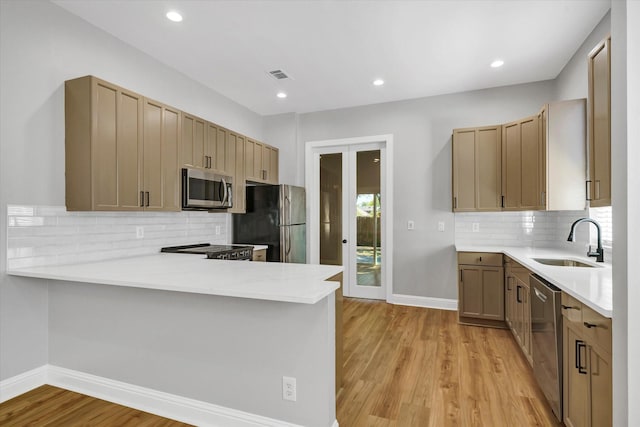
column 206, row 190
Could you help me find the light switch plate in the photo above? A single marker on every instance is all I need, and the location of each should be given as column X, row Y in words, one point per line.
column 441, row 226
column 411, row 225
column 475, row 227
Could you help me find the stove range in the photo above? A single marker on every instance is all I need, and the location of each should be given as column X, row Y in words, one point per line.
column 230, row 252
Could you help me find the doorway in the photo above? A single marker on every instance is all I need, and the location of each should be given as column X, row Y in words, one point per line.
column 349, row 209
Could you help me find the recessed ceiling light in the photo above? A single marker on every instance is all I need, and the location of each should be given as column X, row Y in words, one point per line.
column 174, row 16
column 378, row 82
column 497, row 63
column 281, row 95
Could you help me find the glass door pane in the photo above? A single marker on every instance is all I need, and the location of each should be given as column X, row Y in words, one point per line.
column 331, row 209
column 368, row 219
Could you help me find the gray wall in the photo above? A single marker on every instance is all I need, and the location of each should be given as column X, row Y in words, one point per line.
column 281, row 131
column 571, row 83
column 424, row 259
column 41, row 46
column 183, row 344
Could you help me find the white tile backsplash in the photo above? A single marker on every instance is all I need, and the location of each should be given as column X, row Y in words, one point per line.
column 49, row 235
column 523, row 228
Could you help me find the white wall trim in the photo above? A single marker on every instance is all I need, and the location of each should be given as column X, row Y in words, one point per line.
column 426, row 302
column 22, row 383
column 167, row 405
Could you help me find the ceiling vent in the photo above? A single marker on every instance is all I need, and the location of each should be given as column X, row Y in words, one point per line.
column 279, row 75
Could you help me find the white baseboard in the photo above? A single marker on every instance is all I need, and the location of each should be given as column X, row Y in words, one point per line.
column 20, row 384
column 167, row 405
column 426, row 302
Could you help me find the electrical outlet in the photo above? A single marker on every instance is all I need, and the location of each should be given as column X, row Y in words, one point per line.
column 411, row 225
column 441, row 226
column 289, row 389
column 475, row 227
column 139, row 232
column 217, row 230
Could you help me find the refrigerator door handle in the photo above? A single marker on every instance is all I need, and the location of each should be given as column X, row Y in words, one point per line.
column 287, row 210
column 288, row 242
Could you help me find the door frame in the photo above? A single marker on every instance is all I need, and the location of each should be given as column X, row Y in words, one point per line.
column 312, row 181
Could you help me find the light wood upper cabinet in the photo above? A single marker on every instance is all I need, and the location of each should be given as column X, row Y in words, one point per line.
column 563, row 139
column 103, row 146
column 193, row 142
column 161, row 177
column 599, row 119
column 522, row 165
column 121, row 149
column 235, row 156
column 477, row 163
column 261, row 162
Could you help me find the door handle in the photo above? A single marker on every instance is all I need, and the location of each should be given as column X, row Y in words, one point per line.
column 344, row 240
column 518, row 287
column 147, row 196
column 142, row 199
column 542, row 297
column 579, row 346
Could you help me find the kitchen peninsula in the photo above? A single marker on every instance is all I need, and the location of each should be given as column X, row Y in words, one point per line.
column 217, row 334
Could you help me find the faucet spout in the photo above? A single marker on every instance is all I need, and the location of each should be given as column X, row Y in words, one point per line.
column 599, row 253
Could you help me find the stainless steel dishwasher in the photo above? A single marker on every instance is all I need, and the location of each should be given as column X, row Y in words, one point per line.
column 546, row 338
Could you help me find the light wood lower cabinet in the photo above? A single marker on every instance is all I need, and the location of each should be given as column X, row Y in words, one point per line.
column 259, row 255
column 480, row 289
column 120, row 149
column 587, row 376
column 518, row 305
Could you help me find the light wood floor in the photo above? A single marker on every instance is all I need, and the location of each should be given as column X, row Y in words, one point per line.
column 408, row 366
column 49, row 406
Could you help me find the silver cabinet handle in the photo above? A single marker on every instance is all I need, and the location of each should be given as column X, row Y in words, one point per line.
column 588, row 189
column 542, row 297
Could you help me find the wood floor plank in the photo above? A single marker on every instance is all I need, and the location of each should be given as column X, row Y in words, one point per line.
column 410, row 366
column 49, row 406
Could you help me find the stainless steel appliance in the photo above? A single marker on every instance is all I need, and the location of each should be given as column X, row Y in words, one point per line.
column 206, row 190
column 275, row 216
column 546, row 338
column 230, row 252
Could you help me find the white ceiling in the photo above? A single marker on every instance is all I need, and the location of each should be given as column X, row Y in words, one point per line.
column 333, row 50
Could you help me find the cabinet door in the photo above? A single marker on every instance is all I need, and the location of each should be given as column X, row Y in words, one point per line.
column 530, row 164
column 237, row 146
column 464, row 175
column 600, row 375
column 117, row 154
column 223, row 159
column 511, row 173
column 161, row 135
column 272, row 165
column 210, row 160
column 253, row 160
column 522, row 165
column 575, row 378
column 509, row 300
column 193, row 142
column 488, row 169
column 482, row 292
column 599, row 118
column 526, row 322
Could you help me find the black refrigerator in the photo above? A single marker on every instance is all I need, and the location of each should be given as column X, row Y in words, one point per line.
column 275, row 216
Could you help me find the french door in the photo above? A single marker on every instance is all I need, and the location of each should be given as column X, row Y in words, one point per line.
column 351, row 217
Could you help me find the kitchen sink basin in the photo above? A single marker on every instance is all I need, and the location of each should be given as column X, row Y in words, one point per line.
column 561, row 262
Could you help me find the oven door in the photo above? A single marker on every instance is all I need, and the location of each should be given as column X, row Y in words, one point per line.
column 204, row 190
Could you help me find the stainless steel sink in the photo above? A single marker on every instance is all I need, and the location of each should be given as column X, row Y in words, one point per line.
column 560, row 262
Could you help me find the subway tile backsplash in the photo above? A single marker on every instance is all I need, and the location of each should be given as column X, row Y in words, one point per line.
column 525, row 228
column 49, row 235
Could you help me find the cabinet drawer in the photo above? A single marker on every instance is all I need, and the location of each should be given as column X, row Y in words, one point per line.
column 571, row 308
column 260, row 255
column 598, row 328
column 480, row 258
